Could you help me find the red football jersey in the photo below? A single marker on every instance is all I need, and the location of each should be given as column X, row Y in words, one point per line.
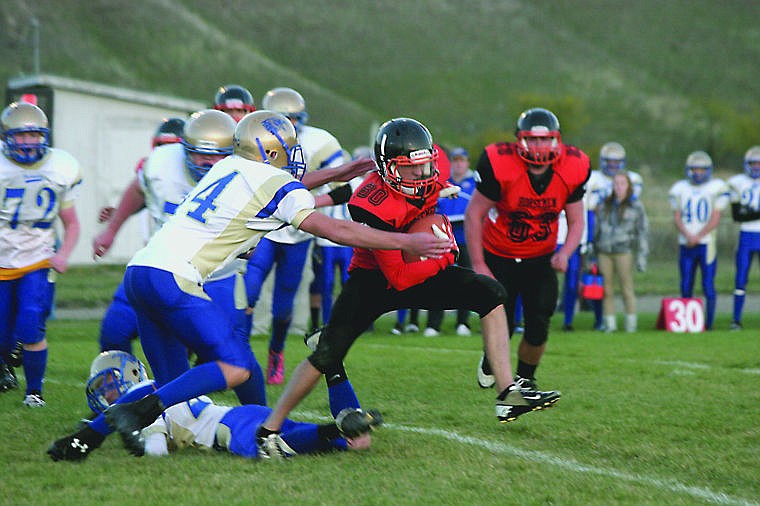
column 376, row 205
column 523, row 223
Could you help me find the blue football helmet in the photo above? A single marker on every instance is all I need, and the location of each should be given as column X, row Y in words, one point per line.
column 699, row 160
column 21, row 117
column 112, row 374
column 752, row 162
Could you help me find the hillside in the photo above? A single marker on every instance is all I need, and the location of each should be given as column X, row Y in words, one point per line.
column 663, row 78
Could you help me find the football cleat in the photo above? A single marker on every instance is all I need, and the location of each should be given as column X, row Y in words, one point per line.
column 16, row 356
column 273, row 447
column 129, row 418
column 34, row 400
column 431, row 332
column 8, row 379
column 397, row 330
column 463, row 330
column 525, row 383
column 353, row 422
column 77, row 446
column 735, row 326
column 411, row 328
column 275, row 368
column 486, row 378
column 517, row 401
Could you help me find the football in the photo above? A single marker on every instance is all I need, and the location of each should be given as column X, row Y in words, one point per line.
column 425, row 224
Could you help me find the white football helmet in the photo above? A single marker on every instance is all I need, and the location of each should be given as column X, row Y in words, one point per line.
column 699, row 160
column 112, row 374
column 21, row 117
column 752, row 162
column 612, row 158
column 269, row 137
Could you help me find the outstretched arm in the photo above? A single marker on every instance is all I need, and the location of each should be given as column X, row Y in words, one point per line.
column 345, row 172
column 351, row 233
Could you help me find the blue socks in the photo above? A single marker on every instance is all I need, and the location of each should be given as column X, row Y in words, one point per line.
column 34, row 369
column 199, row 380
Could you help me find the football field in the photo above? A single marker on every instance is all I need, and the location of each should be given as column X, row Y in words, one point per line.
column 645, row 418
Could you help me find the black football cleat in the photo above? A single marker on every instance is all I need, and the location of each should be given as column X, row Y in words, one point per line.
column 129, row 418
column 354, row 422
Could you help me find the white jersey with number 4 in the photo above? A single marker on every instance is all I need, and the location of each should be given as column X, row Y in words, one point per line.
column 235, row 204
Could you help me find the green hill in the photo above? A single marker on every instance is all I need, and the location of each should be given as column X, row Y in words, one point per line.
column 663, row 78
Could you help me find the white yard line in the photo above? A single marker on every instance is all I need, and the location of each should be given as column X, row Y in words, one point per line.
column 565, row 463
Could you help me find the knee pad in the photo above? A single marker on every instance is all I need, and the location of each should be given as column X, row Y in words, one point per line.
column 325, row 359
column 536, row 330
column 492, row 295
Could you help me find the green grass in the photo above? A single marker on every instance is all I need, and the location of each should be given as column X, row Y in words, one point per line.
column 650, row 418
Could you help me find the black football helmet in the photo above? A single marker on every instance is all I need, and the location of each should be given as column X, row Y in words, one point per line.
column 534, row 125
column 233, row 96
column 169, row 131
column 406, row 142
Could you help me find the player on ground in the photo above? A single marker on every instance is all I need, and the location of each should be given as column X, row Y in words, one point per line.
column 200, row 423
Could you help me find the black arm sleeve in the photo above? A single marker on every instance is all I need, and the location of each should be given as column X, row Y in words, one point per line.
column 742, row 213
column 341, row 194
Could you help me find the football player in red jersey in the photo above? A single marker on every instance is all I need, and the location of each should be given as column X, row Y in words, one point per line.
column 511, row 227
column 405, row 187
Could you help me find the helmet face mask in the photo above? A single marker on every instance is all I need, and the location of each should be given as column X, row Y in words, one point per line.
column 752, row 162
column 612, row 159
column 21, row 118
column 269, row 137
column 207, row 138
column 112, row 374
column 539, row 141
column 405, row 143
column 699, row 167
column 287, row 102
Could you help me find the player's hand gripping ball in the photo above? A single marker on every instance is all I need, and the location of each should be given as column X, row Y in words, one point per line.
column 436, row 224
